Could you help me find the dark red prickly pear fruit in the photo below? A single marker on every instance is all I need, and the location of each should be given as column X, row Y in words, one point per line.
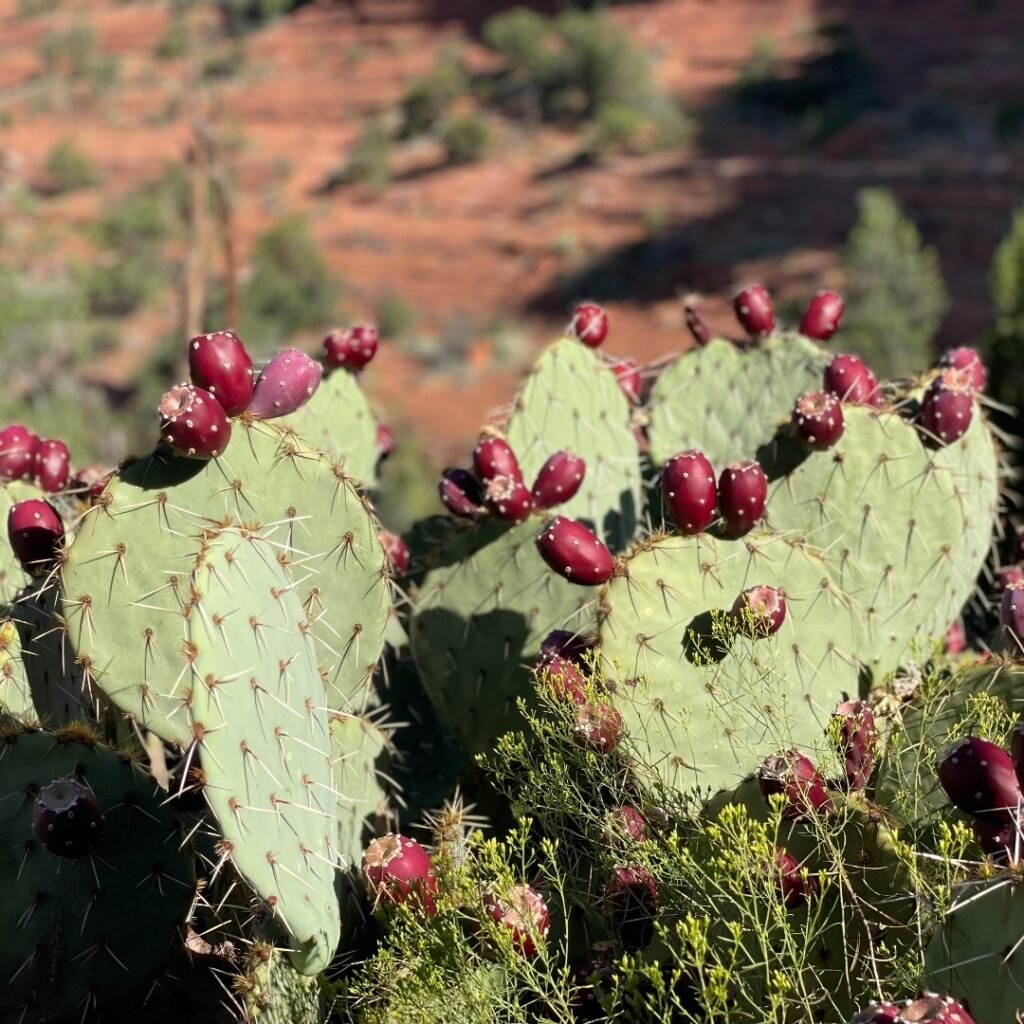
column 1011, row 616
column 571, row 550
column 287, row 383
column 857, row 740
column 385, row 441
column 558, row 480
column 930, row 1009
column 460, row 493
column 821, row 318
column 997, row 840
column 688, row 491
column 219, row 363
column 35, row 533
column 627, row 373
column 947, row 407
column 956, row 639
column 508, row 498
column 351, row 349
column 66, row 818
column 562, row 678
column 524, row 913
column 1017, row 752
column 627, row 820
column 978, row 777
column 598, row 727
column 968, row 360
column 593, row 972
column 570, row 646
column 396, row 550
column 1007, row 576
column 761, row 608
column 17, row 452
column 795, row 777
column 695, row 322
column 754, row 310
column 793, row 886
column 589, row 324
column 90, row 482
column 193, row 422
column 849, row 379
column 742, row 493
column 818, row 420
column 877, row 1013
column 633, row 899
column 493, row 457
column 52, row 465
column 398, row 870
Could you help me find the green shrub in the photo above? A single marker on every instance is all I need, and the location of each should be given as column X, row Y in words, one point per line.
column 394, row 316
column 428, row 98
column 119, row 287
column 895, row 295
column 68, row 168
column 241, row 16
column 174, row 42
column 466, row 138
column 369, row 162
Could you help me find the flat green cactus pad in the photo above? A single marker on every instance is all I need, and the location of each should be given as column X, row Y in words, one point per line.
column 13, row 578
column 15, row 693
column 360, row 758
column 725, row 400
column 573, row 401
column 86, row 932
column 275, row 993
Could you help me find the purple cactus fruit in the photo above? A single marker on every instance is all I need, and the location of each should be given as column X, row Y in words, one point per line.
column 35, row 533
column 193, row 422
column 818, row 420
column 385, row 441
column 66, row 818
column 398, row 870
column 1011, row 616
column 793, row 886
column 219, row 363
column 591, row 975
column 287, row 383
column 760, row 609
column 1007, row 576
column 573, row 551
column 877, row 1013
column 1017, row 752
column 947, row 407
column 997, row 840
column 931, row 1009
column 396, row 550
column 52, row 465
column 90, row 482
column 742, row 493
column 978, row 777
column 857, row 740
column 633, row 903
column 589, row 324
column 17, row 452
column 968, row 360
column 956, row 639
column 695, row 322
column 351, row 349
column 851, row 381
column 562, row 678
column 754, row 310
column 570, row 646
column 795, row 777
column 524, row 913
column 821, row 318
column 558, row 480
column 689, row 492
column 598, row 727
column 508, row 498
column 493, row 457
column 626, row 821
column 627, row 373
column 460, row 493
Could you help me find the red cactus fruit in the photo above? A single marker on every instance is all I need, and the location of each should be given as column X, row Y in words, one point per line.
column 66, row 818
column 978, row 777
column 1011, row 617
column 695, row 322
column 821, row 318
column 1007, row 576
column 286, row 383
column 795, row 777
column 589, row 324
column 742, row 493
column 524, row 913
column 626, row 821
column 562, row 678
column 851, row 381
column 968, row 360
column 997, row 839
column 627, row 373
column 689, row 492
column 52, row 465
column 956, row 639
column 818, row 420
column 595, row 972
column 396, row 550
column 460, row 493
column 558, row 480
column 877, row 1013
column 598, row 727
column 947, row 407
column 633, row 903
column 219, row 363
column 573, row 551
column 761, row 609
column 754, row 310
column 1017, row 752
column 570, row 646
column 385, row 441
column 493, row 457
column 398, row 870
column 193, row 422
column 17, row 452
column 90, row 482
column 857, row 740
column 932, row 1009
column 35, row 533
column 793, row 886
column 351, row 348
column 508, row 498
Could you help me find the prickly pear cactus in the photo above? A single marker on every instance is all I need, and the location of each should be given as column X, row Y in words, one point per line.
column 876, row 545
column 15, row 693
column 87, row 932
column 273, row 992
column 13, row 578
column 725, row 400
column 573, row 401
column 360, row 755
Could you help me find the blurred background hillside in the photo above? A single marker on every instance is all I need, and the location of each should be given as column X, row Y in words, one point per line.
column 461, row 173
